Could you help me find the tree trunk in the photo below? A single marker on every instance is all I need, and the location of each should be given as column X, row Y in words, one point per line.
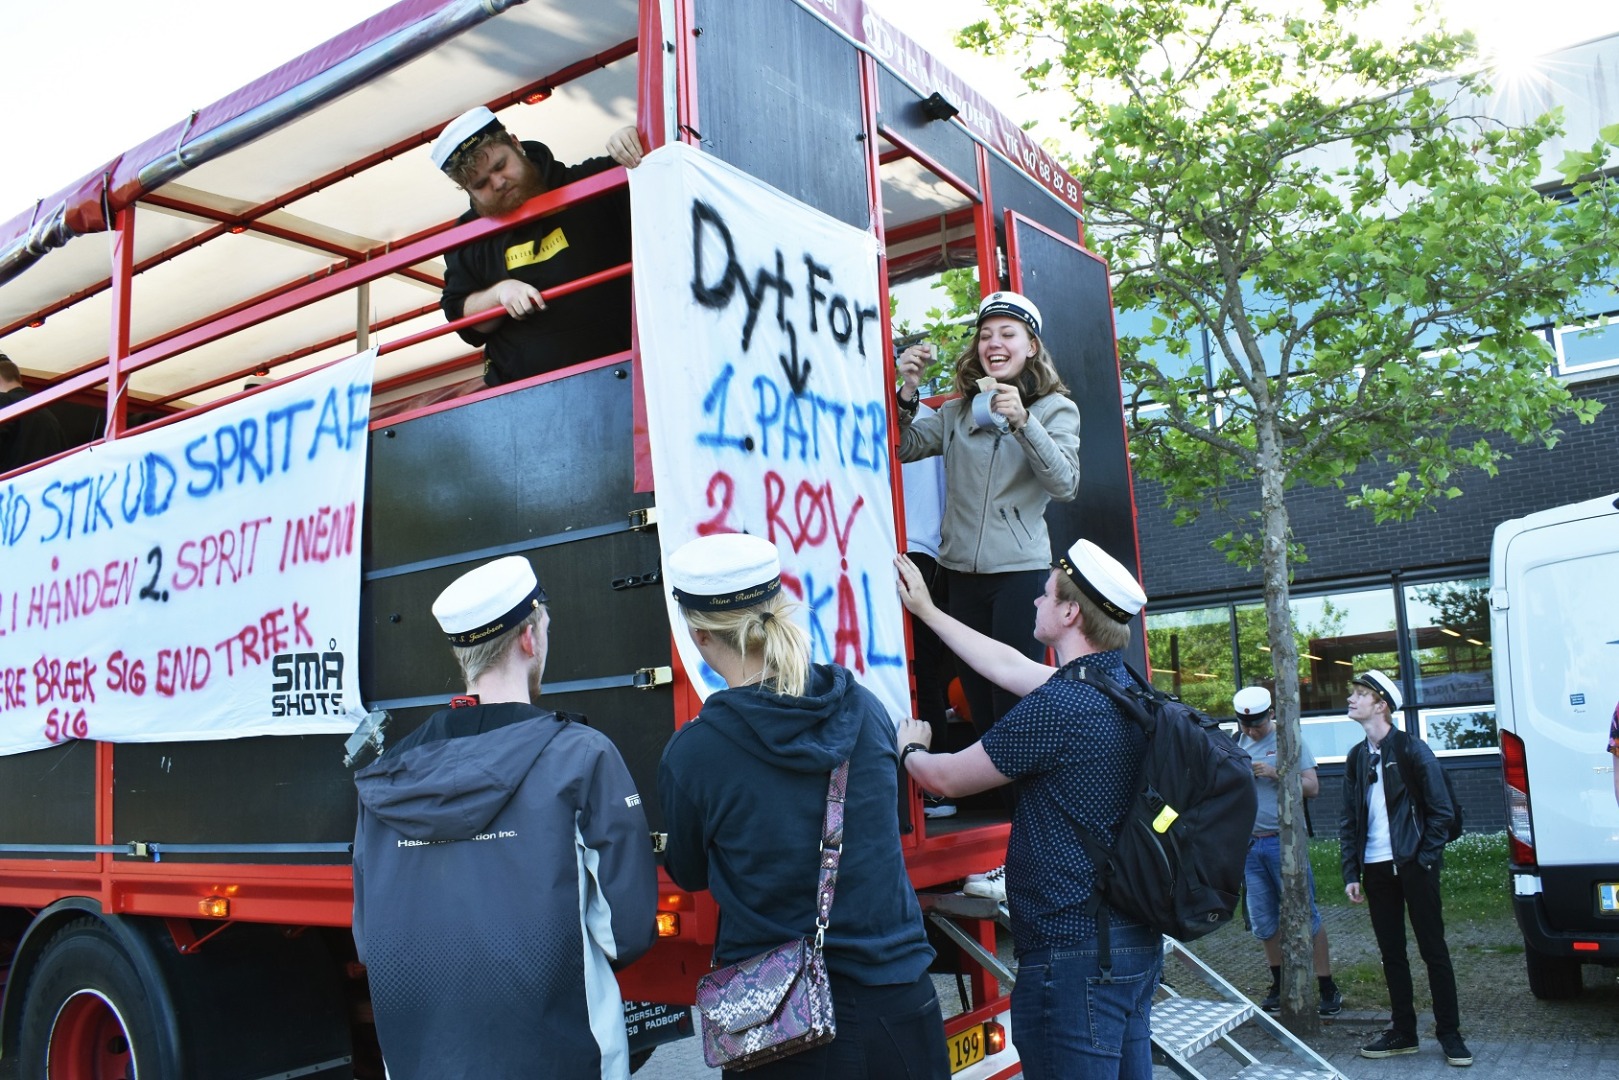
column 1298, row 984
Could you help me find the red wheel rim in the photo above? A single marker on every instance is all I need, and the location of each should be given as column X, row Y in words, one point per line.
column 89, row 1041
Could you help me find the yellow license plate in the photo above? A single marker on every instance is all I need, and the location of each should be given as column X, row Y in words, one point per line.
column 967, row 1047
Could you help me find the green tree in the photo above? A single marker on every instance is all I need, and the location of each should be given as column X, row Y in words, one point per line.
column 1362, row 253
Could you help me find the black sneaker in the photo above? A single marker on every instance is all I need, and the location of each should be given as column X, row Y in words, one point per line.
column 1456, row 1051
column 1272, row 1002
column 1332, row 1006
column 1389, row 1044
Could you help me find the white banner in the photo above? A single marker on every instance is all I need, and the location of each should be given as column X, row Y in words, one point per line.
column 766, row 379
column 199, row 581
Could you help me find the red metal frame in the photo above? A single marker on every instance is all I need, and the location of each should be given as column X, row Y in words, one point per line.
column 123, row 270
column 989, row 271
column 387, row 153
column 910, row 150
column 322, row 895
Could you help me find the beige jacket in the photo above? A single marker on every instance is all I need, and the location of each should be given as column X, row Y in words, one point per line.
column 997, row 486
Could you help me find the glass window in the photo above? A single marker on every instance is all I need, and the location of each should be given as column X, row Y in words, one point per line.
column 1338, row 634
column 1459, row 729
column 1581, row 348
column 1330, row 739
column 1448, row 631
column 1190, row 654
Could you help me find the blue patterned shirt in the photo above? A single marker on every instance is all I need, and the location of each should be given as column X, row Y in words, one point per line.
column 1074, row 758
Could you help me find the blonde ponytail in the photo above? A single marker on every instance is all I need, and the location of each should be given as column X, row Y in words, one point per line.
column 766, row 630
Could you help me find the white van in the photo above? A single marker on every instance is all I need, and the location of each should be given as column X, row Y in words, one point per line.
column 1554, row 603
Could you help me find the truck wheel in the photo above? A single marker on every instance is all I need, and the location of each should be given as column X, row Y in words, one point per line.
column 86, row 1016
column 1552, row 978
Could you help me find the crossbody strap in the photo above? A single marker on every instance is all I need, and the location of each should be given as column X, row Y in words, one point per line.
column 837, row 790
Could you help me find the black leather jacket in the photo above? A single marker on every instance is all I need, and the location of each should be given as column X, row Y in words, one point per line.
column 1418, row 820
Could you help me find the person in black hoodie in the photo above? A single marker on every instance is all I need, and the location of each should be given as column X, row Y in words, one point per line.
column 503, row 869
column 743, row 788
column 510, row 268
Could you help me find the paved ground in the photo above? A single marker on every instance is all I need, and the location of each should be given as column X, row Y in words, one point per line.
column 1512, row 1035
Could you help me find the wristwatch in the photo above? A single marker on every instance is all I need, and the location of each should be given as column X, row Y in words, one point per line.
column 905, row 753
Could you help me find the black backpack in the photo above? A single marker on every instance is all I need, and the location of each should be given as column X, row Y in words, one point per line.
column 1400, row 759
column 1178, row 863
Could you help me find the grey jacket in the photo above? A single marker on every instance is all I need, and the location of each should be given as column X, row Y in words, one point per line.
column 997, row 486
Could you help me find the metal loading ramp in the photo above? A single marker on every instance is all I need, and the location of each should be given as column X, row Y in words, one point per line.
column 1183, row 1026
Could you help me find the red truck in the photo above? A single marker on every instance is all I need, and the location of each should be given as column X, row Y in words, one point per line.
column 175, row 807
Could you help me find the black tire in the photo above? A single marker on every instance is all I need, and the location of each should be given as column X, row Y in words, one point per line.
column 87, row 996
column 1552, row 978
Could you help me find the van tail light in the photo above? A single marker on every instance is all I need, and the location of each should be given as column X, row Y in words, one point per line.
column 1520, row 825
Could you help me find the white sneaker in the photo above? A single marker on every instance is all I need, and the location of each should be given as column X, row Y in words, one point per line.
column 992, row 885
column 939, row 810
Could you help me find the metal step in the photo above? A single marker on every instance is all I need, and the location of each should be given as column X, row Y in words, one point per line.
column 1185, row 1026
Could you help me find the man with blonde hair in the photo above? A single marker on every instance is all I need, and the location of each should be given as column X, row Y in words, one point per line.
column 1076, row 760
column 503, row 868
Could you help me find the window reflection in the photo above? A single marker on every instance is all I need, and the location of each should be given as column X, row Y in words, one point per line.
column 1459, row 729
column 1331, row 739
column 1337, row 635
column 1190, row 653
column 1448, row 623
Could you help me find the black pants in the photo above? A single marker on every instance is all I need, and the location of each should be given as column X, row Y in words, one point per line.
column 935, row 666
column 1001, row 606
column 1391, row 896
column 883, row 1031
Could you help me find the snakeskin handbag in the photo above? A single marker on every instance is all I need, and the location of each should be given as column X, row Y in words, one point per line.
column 779, row 1002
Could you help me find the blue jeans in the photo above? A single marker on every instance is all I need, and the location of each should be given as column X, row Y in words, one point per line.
column 1069, row 1025
column 1262, row 877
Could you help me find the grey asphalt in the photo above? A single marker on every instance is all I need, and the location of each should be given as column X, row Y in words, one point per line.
column 1513, row 1036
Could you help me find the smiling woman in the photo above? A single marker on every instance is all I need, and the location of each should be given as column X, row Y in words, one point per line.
column 1010, row 444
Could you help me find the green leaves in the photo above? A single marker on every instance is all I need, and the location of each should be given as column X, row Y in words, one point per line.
column 1360, row 252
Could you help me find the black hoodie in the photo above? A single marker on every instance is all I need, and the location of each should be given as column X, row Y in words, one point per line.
column 743, row 789
column 545, row 252
column 502, row 870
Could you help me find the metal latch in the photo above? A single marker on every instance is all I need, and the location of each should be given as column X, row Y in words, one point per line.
column 1499, row 600
column 660, row 843
column 648, row 677
column 644, row 518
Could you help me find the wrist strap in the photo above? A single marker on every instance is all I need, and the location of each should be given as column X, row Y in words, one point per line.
column 906, row 752
column 837, row 789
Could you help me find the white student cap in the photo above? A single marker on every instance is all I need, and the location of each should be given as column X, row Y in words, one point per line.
column 1104, row 579
column 486, row 602
column 1251, row 701
column 724, row 572
column 1383, row 687
column 459, row 133
column 1012, row 304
